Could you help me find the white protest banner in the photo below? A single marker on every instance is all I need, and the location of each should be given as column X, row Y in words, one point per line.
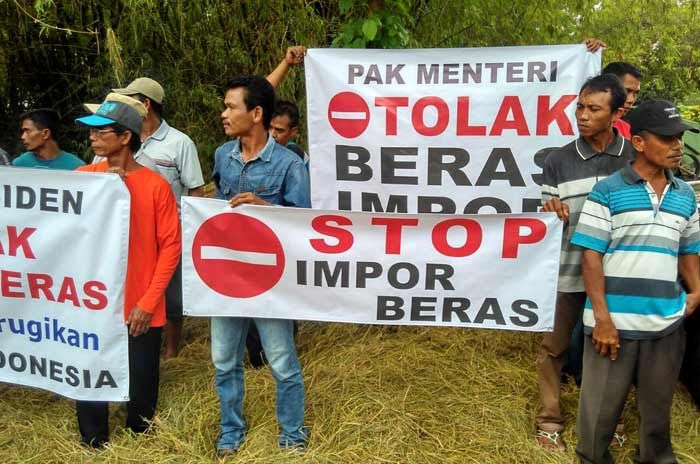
column 491, row 271
column 439, row 130
column 63, row 249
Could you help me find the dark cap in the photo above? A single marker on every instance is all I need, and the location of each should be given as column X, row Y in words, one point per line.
column 658, row 117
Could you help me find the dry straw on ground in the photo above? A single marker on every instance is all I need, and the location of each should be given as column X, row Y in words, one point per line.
column 374, row 395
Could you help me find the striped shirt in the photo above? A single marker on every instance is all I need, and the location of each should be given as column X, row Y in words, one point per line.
column 570, row 172
column 640, row 236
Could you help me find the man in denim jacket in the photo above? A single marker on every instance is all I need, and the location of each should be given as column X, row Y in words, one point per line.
column 254, row 169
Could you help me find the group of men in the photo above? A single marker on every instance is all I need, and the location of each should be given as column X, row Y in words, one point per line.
column 630, row 230
column 159, row 164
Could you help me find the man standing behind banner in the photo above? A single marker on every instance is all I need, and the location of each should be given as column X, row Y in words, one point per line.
column 154, row 251
column 631, row 79
column 39, row 133
column 285, row 125
column 639, row 228
column 569, row 175
column 176, row 158
column 255, row 169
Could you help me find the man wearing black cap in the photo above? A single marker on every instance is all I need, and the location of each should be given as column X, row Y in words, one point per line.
column 639, row 229
column 154, row 251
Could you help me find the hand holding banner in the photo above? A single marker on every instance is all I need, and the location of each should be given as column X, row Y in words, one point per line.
column 439, row 130
column 490, row 271
column 63, row 251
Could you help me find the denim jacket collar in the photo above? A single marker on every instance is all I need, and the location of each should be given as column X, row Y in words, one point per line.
column 264, row 155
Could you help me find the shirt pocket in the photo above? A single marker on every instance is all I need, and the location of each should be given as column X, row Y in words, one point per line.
column 169, row 173
column 224, row 185
column 269, row 188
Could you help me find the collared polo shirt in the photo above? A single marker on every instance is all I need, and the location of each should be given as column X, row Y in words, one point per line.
column 276, row 175
column 173, row 155
column 640, row 236
column 176, row 158
column 570, row 172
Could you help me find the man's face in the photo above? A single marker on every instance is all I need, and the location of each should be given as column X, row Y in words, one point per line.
column 32, row 137
column 661, row 151
column 593, row 114
column 236, row 118
column 105, row 142
column 632, row 85
column 281, row 130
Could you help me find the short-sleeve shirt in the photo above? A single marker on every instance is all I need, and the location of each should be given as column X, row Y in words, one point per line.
column 640, row 236
column 570, row 172
column 175, row 155
column 276, row 175
column 64, row 161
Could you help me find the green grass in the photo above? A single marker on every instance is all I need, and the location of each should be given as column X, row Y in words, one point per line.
column 374, row 395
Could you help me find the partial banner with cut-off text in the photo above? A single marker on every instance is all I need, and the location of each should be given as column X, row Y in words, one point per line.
column 454, row 131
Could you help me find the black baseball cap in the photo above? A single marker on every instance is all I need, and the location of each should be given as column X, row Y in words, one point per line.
column 658, row 117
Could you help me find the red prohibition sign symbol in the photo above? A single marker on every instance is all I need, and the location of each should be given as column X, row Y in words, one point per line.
column 348, row 114
column 237, row 256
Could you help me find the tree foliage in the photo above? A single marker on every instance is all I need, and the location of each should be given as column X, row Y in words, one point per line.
column 661, row 37
column 61, row 54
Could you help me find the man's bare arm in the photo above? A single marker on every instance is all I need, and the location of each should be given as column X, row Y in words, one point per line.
column 593, row 45
column 293, row 57
column 196, row 192
column 605, row 335
column 689, row 268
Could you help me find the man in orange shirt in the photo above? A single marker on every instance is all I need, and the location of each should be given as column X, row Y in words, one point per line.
column 154, row 251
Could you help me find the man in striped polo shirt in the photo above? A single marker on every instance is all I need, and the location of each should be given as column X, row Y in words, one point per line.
column 569, row 174
column 640, row 230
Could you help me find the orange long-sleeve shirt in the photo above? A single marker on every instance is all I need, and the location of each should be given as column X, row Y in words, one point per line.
column 154, row 241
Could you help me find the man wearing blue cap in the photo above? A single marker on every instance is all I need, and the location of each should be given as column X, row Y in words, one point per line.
column 639, row 229
column 154, row 251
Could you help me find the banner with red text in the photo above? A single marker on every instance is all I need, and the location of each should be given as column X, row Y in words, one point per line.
column 439, row 130
column 63, row 249
column 491, row 271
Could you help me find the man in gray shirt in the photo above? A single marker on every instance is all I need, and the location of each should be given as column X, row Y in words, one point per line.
column 569, row 175
column 176, row 159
